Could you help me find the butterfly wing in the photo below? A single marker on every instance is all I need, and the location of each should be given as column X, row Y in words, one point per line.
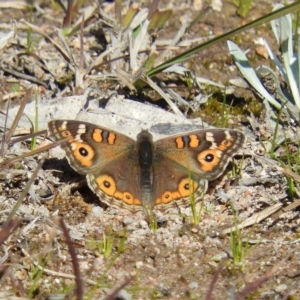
column 205, row 153
column 109, row 159
column 175, row 186
column 90, row 147
column 186, row 162
column 117, row 183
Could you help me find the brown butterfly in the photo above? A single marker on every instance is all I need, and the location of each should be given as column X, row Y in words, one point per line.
column 141, row 173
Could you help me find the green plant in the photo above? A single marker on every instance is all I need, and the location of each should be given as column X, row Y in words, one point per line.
column 288, row 99
column 189, row 53
column 36, row 122
column 29, row 42
column 244, row 7
column 290, row 164
column 236, row 244
column 152, row 220
column 36, row 273
column 196, row 213
column 105, row 245
column 239, row 247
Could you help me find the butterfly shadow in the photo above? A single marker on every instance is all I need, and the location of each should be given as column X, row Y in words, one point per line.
column 61, row 169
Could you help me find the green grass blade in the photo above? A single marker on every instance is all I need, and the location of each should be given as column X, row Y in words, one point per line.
column 187, row 54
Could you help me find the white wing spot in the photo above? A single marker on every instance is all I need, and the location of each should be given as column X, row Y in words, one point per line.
column 78, row 138
column 227, row 134
column 73, row 146
column 210, row 137
column 64, row 125
column 81, row 129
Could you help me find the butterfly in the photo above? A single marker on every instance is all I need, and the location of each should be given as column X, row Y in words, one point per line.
column 143, row 173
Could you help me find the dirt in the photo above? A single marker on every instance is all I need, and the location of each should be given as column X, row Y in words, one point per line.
column 181, row 259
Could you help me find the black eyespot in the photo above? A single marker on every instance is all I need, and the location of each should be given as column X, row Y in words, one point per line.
column 167, row 196
column 83, row 151
column 187, row 187
column 107, row 184
column 127, row 197
column 209, row 157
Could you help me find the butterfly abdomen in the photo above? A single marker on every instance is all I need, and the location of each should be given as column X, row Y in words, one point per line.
column 145, row 154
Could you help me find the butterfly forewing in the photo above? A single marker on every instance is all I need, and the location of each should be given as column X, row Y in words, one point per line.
column 203, row 152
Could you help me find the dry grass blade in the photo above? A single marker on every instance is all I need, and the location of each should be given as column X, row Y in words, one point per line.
column 7, row 229
column 18, row 116
column 12, row 95
column 28, row 136
column 24, row 76
column 8, row 162
column 151, row 83
column 3, row 140
column 290, row 207
column 25, row 191
column 118, row 11
column 152, row 8
column 83, row 63
column 48, row 38
column 256, row 218
column 289, row 173
column 60, row 274
column 284, row 170
column 78, row 280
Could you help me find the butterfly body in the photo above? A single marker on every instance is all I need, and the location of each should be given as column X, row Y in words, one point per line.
column 140, row 173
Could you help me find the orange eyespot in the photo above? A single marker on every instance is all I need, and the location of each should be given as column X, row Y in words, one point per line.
column 65, row 133
column 209, row 159
column 83, row 153
column 224, row 145
column 128, row 198
column 187, row 187
column 106, row 184
column 166, row 197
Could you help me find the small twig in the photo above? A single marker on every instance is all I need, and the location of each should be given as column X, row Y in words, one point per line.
column 24, row 76
column 7, row 229
column 28, row 136
column 213, row 281
column 113, row 295
column 8, row 162
column 252, row 286
column 18, row 116
column 78, row 280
